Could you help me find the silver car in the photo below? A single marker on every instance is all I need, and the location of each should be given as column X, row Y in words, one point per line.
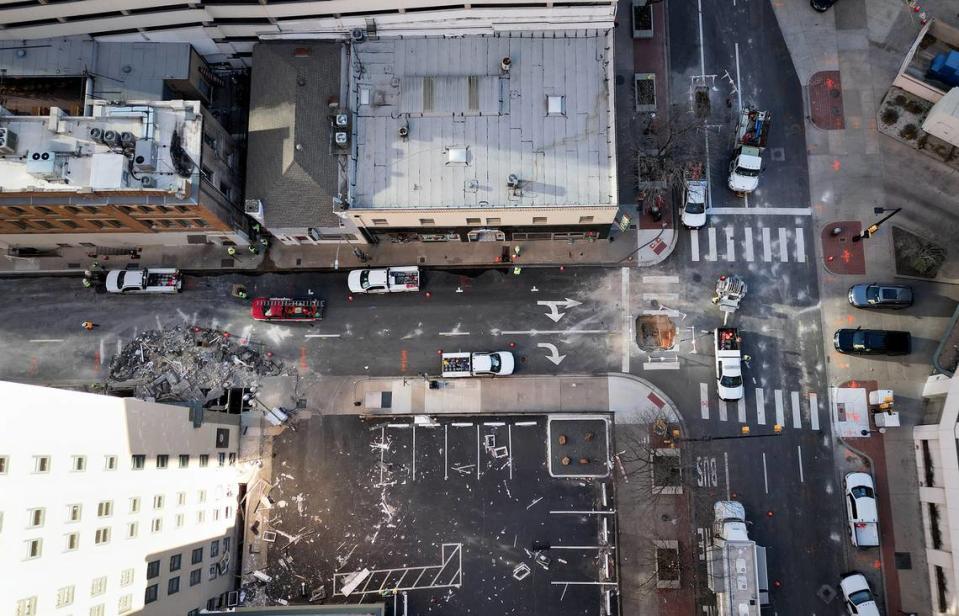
column 876, row 295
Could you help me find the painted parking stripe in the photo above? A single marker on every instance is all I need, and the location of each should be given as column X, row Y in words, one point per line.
column 742, row 410
column 780, row 412
column 767, row 245
column 704, row 400
column 748, row 245
column 711, row 256
column 760, row 407
column 723, row 415
column 783, row 244
column 694, row 243
column 730, row 244
column 814, row 411
column 800, row 245
column 797, row 412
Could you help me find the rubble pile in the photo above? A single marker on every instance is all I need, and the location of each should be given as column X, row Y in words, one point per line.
column 185, row 364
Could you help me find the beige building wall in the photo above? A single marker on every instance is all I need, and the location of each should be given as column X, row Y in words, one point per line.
column 67, row 482
column 483, row 217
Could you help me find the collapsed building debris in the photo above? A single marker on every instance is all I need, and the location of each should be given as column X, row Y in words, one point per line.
column 189, row 364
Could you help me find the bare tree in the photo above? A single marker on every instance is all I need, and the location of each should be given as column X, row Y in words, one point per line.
column 664, row 147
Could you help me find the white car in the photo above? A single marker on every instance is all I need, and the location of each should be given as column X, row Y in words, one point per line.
column 694, row 204
column 857, row 595
column 861, row 510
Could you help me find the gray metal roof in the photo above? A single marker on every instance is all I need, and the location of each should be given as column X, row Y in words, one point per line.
column 452, row 93
column 290, row 163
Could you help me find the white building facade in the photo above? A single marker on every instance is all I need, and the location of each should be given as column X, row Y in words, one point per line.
column 114, row 505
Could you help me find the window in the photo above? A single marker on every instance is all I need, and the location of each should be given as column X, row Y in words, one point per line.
column 27, row 607
column 216, row 514
column 213, row 572
column 197, row 556
column 34, row 548
column 98, row 610
column 474, row 221
column 163, row 460
column 132, row 529
column 41, row 464
column 226, row 544
column 73, row 541
column 180, row 499
column 232, row 459
column 126, row 576
column 134, row 504
column 35, row 517
column 539, row 220
column 65, row 596
column 184, row 460
column 214, row 549
column 104, row 509
column 204, row 460
column 139, row 461
column 555, row 105
column 210, row 140
column 380, row 222
column 585, row 219
column 457, row 155
column 221, row 458
column 200, row 517
column 125, row 604
column 427, row 221
column 150, row 595
column 110, row 463
column 196, row 576
column 158, row 501
column 493, row 221
column 153, row 569
column 102, row 536
column 157, row 525
column 3, row 465
column 211, row 604
column 173, row 585
column 207, row 172
column 175, row 562
column 201, row 496
column 73, row 513
column 179, row 520
column 98, row 586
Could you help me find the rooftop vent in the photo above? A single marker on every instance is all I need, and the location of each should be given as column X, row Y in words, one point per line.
column 358, row 35
column 505, row 63
column 457, row 155
column 342, row 119
column 404, row 131
column 512, row 181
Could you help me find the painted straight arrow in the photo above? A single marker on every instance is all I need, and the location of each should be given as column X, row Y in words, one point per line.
column 555, row 305
column 554, row 355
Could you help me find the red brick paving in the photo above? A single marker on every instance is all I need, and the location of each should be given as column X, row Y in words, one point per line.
column 840, row 254
column 825, row 100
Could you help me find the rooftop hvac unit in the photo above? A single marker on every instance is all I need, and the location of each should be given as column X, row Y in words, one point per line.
column 148, row 181
column 44, row 165
column 96, row 134
column 252, row 206
column 145, row 155
column 127, row 139
column 111, row 138
column 342, row 138
column 8, row 141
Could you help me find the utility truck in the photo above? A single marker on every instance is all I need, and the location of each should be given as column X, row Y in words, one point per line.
column 735, row 565
column 729, row 363
column 457, row 365
column 146, row 280
column 750, row 141
column 385, row 280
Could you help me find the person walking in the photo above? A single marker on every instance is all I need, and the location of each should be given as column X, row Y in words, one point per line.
column 89, row 325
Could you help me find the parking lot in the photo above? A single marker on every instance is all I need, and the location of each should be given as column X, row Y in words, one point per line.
column 448, row 516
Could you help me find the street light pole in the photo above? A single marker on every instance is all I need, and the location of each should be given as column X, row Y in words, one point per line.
column 868, row 231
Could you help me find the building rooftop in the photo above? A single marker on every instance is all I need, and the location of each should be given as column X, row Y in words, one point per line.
column 291, row 163
column 140, row 146
column 470, row 125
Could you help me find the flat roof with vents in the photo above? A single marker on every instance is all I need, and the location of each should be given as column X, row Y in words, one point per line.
column 470, row 124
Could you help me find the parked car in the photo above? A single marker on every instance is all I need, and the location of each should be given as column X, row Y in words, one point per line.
column 695, row 196
column 861, row 510
column 872, row 342
column 875, row 295
column 857, row 596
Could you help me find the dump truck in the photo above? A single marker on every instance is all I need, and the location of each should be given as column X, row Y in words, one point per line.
column 735, row 565
column 748, row 145
column 729, row 363
column 385, row 280
column 456, row 365
column 146, row 280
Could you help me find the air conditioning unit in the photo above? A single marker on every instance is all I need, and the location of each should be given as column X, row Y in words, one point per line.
column 342, row 120
column 44, row 165
column 145, row 155
column 96, row 134
column 342, row 138
column 111, row 138
column 8, row 141
column 254, row 209
column 148, row 181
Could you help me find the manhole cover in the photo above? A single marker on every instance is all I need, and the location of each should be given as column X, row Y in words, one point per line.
column 777, row 154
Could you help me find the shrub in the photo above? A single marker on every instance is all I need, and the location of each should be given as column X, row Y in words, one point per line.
column 889, row 116
column 909, row 131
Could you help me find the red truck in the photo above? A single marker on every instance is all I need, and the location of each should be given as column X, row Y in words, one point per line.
column 285, row 309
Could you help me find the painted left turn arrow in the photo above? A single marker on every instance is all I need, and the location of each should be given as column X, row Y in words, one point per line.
column 554, row 355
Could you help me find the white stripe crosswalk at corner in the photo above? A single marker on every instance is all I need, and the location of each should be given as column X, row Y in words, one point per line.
column 800, row 245
column 704, row 400
column 694, row 243
column 741, row 415
column 748, row 244
column 723, row 415
column 760, row 407
column 797, row 412
column 730, row 244
column 780, row 412
column 791, row 244
column 814, row 411
column 793, row 406
column 767, row 245
column 711, row 234
column 783, row 244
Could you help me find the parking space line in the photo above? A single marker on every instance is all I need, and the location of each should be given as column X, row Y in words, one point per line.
column 767, row 245
column 730, row 244
column 780, row 411
column 462, row 424
column 711, row 234
column 800, row 245
column 694, row 243
column 525, row 423
column 760, row 407
column 742, row 410
column 748, row 244
column 726, row 464
column 797, row 412
column 783, row 244
column 814, row 411
column 765, row 475
column 704, row 400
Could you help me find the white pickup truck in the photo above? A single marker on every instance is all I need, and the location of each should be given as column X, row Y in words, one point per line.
column 457, row 365
column 147, row 280
column 750, row 141
column 861, row 509
column 729, row 364
column 385, row 280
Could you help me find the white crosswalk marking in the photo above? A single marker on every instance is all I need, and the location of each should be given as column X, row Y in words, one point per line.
column 730, row 244
column 711, row 255
column 814, row 411
column 748, row 245
column 694, row 243
column 760, row 407
column 767, row 245
column 742, row 410
column 723, row 415
column 780, row 412
column 783, row 244
column 800, row 245
column 797, row 412
column 704, row 400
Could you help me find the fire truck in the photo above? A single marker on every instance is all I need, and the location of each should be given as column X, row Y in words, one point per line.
column 285, row 309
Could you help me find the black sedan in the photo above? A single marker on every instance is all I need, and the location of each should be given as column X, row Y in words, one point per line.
column 872, row 342
column 876, row 295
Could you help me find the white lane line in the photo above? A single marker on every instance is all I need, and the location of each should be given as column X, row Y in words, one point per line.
column 767, row 245
column 742, row 410
column 760, row 407
column 704, row 400
column 711, row 255
column 660, row 279
column 730, row 244
column 446, row 452
column 814, row 411
column 462, row 424
column 535, row 332
column 662, row 297
column 780, row 412
column 509, row 432
column 454, row 333
column 47, row 340
column 477, row 451
column 702, row 44
column 739, row 89
column 694, row 243
column 661, row 365
column 783, row 245
column 723, row 415
column 627, row 320
column 321, row 335
column 726, row 462
column 765, row 474
column 802, row 479
column 761, row 211
column 800, row 245
column 748, row 245
column 413, row 474
column 797, row 411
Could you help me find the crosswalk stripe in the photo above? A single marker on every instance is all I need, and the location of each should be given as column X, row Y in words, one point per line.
column 661, row 279
column 814, row 411
column 704, row 400
column 742, row 410
column 783, row 244
column 767, row 245
column 760, row 408
column 730, row 244
column 780, row 413
column 694, row 243
column 711, row 256
column 748, row 244
column 800, row 245
column 723, row 415
column 797, row 412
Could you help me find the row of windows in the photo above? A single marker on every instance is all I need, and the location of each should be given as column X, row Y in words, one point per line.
column 43, row 464
column 71, row 209
column 67, row 594
column 537, row 220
